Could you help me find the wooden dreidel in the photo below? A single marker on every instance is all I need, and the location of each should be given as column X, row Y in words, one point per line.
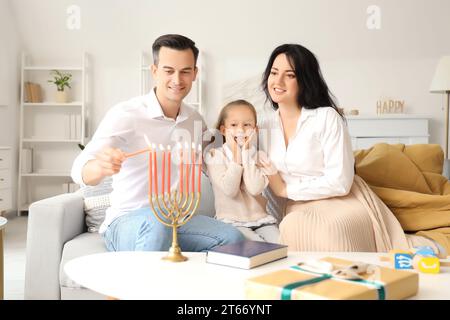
column 426, row 264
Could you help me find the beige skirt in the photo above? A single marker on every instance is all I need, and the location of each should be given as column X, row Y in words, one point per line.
column 358, row 222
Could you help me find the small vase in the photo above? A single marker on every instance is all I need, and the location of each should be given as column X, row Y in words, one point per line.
column 62, row 97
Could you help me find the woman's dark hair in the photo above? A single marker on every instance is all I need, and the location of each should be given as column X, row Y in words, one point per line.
column 313, row 91
column 173, row 41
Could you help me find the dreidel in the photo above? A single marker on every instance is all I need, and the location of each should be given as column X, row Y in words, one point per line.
column 426, row 264
column 403, row 261
column 400, row 259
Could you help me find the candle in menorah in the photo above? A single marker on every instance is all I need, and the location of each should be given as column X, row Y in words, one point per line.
column 174, row 208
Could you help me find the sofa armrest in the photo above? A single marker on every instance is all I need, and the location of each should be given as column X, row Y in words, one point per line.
column 51, row 223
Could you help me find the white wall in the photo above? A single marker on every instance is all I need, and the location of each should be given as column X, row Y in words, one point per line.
column 360, row 65
column 9, row 84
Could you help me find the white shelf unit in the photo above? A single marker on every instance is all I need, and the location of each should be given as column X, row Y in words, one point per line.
column 194, row 98
column 52, row 130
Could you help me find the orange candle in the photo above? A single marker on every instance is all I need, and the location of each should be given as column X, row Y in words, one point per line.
column 181, row 168
column 187, row 167
column 199, row 187
column 193, row 168
column 163, row 178
column 169, row 163
column 155, row 169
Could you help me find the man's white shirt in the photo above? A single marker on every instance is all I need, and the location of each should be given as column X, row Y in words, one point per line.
column 124, row 127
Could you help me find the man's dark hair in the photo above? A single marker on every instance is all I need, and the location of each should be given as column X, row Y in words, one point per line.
column 173, row 41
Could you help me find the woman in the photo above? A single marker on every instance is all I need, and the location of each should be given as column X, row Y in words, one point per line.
column 310, row 164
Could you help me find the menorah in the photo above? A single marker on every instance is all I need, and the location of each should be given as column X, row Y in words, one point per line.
column 174, row 208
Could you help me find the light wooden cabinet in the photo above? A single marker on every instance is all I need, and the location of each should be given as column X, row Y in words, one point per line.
column 407, row 129
column 5, row 179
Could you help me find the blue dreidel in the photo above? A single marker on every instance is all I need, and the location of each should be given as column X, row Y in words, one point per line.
column 403, row 261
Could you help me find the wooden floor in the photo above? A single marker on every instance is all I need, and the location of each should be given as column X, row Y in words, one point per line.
column 14, row 256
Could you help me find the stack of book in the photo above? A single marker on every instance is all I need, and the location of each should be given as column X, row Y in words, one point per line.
column 74, row 126
column 33, row 92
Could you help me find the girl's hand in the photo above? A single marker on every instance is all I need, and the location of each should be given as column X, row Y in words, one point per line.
column 237, row 155
column 266, row 165
column 251, row 140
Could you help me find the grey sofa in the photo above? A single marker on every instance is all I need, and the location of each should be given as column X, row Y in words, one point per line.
column 57, row 233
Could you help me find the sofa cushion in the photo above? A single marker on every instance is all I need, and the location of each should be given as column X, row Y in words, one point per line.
column 82, row 245
column 96, row 201
column 388, row 166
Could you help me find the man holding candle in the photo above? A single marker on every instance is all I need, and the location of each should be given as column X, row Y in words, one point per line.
column 164, row 119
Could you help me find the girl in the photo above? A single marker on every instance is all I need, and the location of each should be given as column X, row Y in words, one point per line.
column 236, row 180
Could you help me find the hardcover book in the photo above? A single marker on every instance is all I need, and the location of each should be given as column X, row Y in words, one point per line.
column 246, row 254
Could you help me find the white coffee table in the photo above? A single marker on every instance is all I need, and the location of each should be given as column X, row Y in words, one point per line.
column 143, row 275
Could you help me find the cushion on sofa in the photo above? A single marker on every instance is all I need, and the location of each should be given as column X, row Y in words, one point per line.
column 96, row 201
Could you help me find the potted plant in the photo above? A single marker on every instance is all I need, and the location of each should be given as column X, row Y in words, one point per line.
column 61, row 80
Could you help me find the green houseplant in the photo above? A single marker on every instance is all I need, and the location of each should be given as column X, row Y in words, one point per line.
column 61, row 80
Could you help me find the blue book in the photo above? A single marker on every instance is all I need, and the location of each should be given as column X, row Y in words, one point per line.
column 246, row 254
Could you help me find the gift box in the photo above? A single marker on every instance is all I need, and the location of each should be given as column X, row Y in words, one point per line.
column 296, row 283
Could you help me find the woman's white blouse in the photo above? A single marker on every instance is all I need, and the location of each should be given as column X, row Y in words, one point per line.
column 318, row 162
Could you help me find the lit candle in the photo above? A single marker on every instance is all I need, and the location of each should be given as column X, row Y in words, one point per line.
column 147, row 141
column 169, row 163
column 187, row 167
column 163, row 178
column 193, row 168
column 155, row 168
column 199, row 187
column 181, row 168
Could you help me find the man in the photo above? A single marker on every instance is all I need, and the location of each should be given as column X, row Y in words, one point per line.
column 161, row 115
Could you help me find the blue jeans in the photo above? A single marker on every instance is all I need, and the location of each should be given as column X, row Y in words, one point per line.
column 140, row 230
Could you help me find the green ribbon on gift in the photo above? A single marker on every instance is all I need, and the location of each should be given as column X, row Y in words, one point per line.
column 287, row 289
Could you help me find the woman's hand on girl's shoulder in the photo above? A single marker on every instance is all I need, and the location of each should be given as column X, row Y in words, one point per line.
column 235, row 149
